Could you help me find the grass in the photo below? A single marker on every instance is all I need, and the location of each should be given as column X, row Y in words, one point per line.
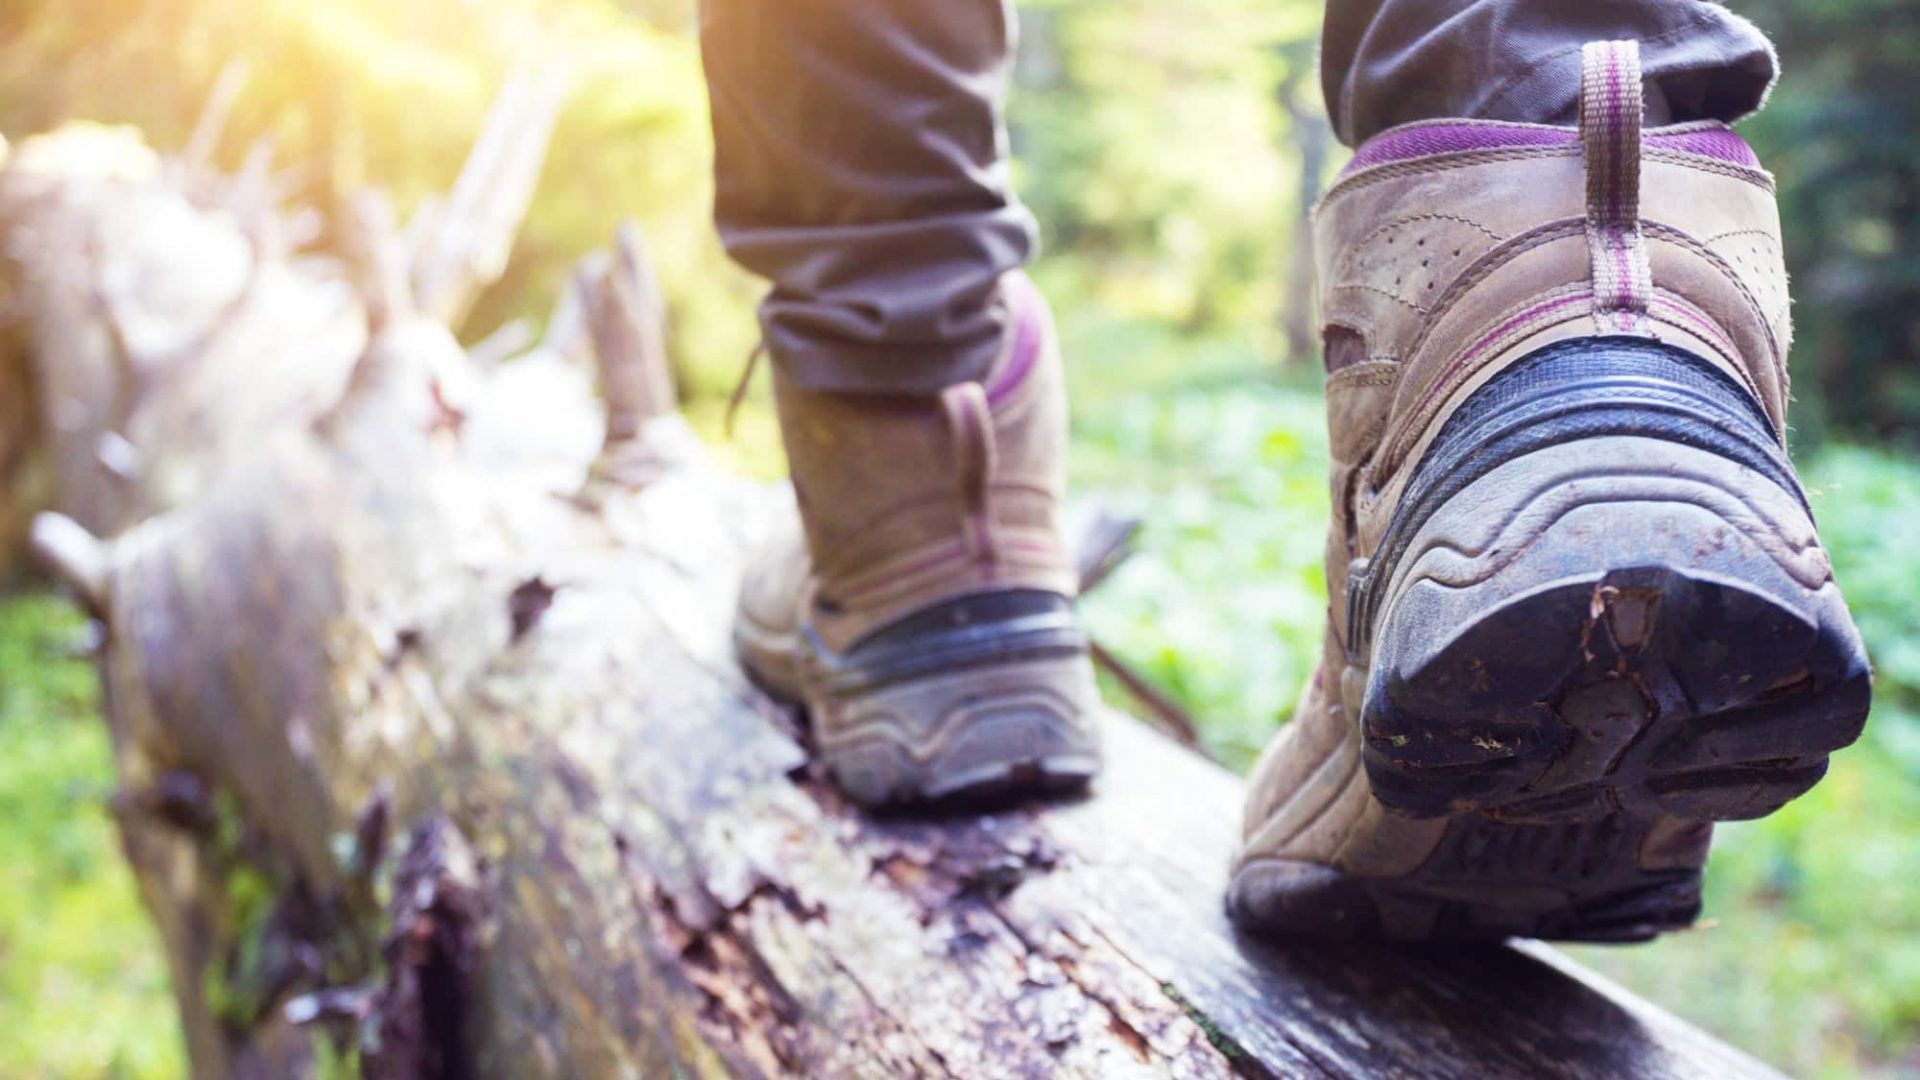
column 1809, row 955
column 83, row 983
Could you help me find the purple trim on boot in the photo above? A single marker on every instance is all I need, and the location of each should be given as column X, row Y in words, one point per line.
column 1027, row 310
column 1455, row 137
column 1713, row 142
column 1424, row 140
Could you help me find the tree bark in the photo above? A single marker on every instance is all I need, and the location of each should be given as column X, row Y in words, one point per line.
column 1310, row 137
column 433, row 755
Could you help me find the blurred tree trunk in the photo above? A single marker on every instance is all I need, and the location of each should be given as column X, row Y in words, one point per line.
column 1311, row 138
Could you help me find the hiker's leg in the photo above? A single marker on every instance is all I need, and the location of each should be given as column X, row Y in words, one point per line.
column 926, row 621
column 860, row 166
column 1387, row 62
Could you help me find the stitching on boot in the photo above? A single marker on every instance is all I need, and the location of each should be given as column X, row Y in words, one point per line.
column 1691, row 318
column 1612, row 104
column 1683, row 239
column 1442, row 163
column 1489, row 263
column 1759, row 178
column 1354, row 252
column 1527, row 317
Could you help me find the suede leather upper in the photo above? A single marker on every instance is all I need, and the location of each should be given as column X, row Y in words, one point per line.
column 922, row 615
column 907, row 502
column 1450, row 266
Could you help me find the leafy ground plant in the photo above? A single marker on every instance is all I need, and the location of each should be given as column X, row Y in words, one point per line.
column 83, row 983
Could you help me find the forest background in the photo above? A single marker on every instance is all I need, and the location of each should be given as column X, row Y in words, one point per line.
column 1169, row 150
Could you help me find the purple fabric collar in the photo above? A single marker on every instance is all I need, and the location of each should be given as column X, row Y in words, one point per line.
column 1027, row 311
column 1452, row 137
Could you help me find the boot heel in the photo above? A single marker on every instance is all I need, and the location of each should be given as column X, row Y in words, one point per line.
column 1617, row 606
column 1012, row 725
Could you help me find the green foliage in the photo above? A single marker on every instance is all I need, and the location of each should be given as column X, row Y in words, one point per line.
column 358, row 92
column 1868, row 518
column 83, row 983
column 1152, row 144
column 1841, row 133
column 1223, row 607
column 239, row 992
column 1160, row 151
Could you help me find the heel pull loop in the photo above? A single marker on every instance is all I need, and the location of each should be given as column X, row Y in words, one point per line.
column 970, row 424
column 1612, row 106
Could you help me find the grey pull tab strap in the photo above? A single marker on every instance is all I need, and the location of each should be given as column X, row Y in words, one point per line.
column 1612, row 103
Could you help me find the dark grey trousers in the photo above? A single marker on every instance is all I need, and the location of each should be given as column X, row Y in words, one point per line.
column 860, row 154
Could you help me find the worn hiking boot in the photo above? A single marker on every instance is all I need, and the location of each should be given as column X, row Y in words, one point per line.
column 931, row 634
column 1579, row 608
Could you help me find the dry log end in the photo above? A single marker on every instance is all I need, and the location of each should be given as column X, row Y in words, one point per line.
column 75, row 557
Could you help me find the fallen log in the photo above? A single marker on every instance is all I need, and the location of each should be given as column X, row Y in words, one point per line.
column 433, row 757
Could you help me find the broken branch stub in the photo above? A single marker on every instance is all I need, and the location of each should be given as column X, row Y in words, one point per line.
column 74, row 557
column 466, row 246
column 626, row 317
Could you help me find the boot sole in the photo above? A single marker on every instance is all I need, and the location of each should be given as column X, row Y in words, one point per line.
column 1648, row 731
column 1579, row 794
column 1589, row 653
column 1488, row 881
column 946, row 718
column 978, row 735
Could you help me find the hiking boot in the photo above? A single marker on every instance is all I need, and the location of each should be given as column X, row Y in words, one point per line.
column 925, row 617
column 1579, row 610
